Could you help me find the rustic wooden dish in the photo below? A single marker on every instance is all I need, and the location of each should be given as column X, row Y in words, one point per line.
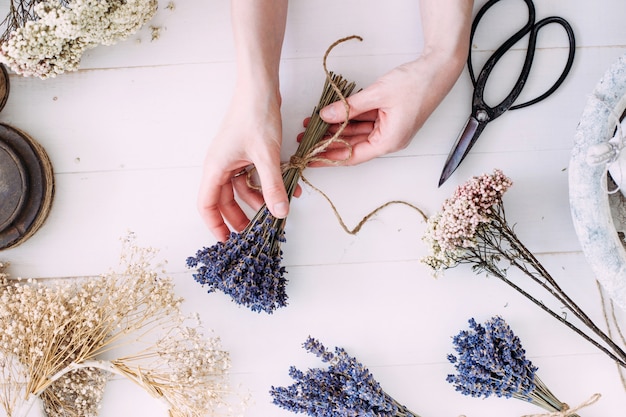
column 26, row 181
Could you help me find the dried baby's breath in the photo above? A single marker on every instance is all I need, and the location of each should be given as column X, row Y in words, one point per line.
column 57, row 338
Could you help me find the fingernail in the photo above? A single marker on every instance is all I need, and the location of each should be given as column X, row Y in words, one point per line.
column 281, row 209
column 328, row 113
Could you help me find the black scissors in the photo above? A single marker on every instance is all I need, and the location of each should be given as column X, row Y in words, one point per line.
column 481, row 112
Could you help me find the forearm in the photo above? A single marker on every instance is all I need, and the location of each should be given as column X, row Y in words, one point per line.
column 259, row 29
column 446, row 27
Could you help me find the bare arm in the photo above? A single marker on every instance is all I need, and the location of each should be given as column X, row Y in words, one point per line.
column 251, row 132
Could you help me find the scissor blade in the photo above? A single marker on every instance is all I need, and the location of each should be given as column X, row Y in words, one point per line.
column 461, row 148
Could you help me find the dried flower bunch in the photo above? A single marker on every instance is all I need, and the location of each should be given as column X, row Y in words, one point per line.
column 76, row 393
column 248, row 266
column 490, row 360
column 472, row 228
column 53, row 336
column 346, row 388
column 46, row 38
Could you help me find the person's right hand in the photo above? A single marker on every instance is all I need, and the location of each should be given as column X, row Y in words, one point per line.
column 250, row 134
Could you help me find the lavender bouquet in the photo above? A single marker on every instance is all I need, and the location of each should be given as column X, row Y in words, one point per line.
column 472, row 229
column 491, row 361
column 346, row 388
column 247, row 267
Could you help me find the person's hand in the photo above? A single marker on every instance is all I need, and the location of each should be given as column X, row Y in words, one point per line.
column 385, row 116
column 251, row 133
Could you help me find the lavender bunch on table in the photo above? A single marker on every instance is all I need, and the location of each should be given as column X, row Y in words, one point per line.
column 345, row 389
column 490, row 361
column 472, row 229
column 248, row 266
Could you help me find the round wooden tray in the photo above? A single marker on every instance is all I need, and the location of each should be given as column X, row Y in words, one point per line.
column 26, row 181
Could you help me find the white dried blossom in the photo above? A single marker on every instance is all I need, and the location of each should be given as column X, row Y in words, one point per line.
column 76, row 393
column 56, row 39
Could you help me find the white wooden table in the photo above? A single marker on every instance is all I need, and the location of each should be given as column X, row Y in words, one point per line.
column 127, row 134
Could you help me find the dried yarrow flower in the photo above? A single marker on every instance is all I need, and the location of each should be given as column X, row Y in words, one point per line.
column 46, row 38
column 472, row 228
column 490, row 360
column 345, row 388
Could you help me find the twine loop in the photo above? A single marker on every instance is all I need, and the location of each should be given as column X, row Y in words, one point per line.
column 566, row 411
column 301, row 162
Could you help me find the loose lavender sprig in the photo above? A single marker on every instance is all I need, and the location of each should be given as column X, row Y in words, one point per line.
column 491, row 361
column 248, row 266
column 472, row 228
column 346, row 389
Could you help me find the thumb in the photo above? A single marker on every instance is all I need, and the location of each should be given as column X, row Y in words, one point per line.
column 273, row 189
column 358, row 103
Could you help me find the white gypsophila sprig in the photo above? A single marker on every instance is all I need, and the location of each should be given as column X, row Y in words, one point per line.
column 183, row 358
column 76, row 393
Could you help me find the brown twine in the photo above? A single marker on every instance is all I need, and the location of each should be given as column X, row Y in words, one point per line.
column 300, row 163
column 566, row 411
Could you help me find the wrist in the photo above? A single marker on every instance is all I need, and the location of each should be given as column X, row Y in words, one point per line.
column 449, row 59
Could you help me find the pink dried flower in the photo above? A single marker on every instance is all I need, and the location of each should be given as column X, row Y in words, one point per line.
column 454, row 229
column 472, row 229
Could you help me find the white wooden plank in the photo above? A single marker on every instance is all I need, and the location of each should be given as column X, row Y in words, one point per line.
column 166, row 116
column 93, row 210
column 127, row 135
column 195, row 32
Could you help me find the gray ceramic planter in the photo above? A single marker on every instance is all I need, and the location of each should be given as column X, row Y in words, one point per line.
column 595, row 150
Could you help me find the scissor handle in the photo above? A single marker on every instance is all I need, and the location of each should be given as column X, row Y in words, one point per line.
column 531, row 28
column 568, row 64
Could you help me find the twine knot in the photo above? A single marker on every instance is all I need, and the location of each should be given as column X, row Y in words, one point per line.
column 566, row 411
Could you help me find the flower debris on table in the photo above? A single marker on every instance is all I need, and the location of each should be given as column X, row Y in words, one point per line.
column 248, row 266
column 472, row 229
column 346, row 388
column 490, row 360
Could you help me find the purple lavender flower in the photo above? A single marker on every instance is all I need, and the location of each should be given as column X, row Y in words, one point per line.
column 346, row 389
column 247, row 267
column 491, row 361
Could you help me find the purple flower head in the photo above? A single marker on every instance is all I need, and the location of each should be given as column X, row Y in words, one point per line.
column 490, row 360
column 247, row 267
column 345, row 389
